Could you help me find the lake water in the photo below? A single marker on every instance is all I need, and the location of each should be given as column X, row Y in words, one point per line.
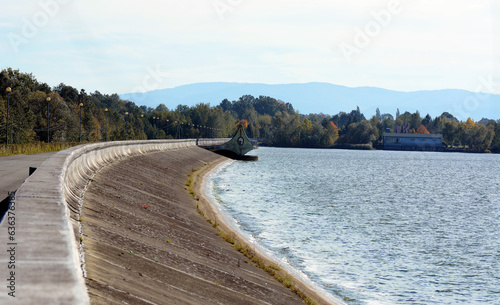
column 375, row 227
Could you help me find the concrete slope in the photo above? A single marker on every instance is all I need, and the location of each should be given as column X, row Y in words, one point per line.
column 39, row 260
column 145, row 242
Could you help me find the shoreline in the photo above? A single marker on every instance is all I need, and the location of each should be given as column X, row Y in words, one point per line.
column 146, row 243
column 305, row 287
column 381, row 148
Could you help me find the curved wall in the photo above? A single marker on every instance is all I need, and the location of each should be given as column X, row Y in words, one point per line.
column 45, row 253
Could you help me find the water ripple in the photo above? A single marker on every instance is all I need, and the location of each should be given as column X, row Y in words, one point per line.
column 373, row 226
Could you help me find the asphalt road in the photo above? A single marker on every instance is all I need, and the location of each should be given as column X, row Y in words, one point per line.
column 15, row 169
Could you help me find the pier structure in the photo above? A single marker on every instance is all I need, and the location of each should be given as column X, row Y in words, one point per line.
column 236, row 148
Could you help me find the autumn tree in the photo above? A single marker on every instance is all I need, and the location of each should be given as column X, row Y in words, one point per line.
column 468, row 124
column 243, row 123
column 333, row 131
column 422, row 130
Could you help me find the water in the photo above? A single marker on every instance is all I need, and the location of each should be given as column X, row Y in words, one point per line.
column 375, row 227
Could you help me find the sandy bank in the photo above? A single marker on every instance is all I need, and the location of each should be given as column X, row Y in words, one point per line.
column 145, row 241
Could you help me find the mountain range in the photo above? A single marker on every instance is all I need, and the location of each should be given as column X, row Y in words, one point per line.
column 330, row 99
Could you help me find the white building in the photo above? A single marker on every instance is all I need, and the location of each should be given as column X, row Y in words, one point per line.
column 413, row 141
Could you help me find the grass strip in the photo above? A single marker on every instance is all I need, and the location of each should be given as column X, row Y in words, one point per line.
column 272, row 269
column 33, row 148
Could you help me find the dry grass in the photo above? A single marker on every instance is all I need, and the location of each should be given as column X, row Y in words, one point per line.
column 33, row 148
column 272, row 269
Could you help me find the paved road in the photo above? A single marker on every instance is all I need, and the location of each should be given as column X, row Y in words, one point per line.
column 15, row 169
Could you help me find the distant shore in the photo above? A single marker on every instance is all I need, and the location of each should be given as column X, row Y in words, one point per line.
column 381, row 147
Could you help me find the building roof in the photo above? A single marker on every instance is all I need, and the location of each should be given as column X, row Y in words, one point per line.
column 411, row 135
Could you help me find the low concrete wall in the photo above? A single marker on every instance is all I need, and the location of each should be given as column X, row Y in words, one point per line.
column 39, row 253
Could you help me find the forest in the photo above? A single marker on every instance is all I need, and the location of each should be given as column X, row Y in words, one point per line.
column 39, row 113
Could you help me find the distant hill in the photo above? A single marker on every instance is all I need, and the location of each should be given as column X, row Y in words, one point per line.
column 330, row 99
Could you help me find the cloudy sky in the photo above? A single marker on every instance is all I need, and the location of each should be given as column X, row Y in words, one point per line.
column 133, row 46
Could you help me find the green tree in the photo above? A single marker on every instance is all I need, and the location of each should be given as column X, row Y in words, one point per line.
column 361, row 133
column 479, row 137
column 377, row 114
column 495, row 142
column 264, row 122
column 388, row 123
column 378, row 128
column 415, row 120
column 451, row 133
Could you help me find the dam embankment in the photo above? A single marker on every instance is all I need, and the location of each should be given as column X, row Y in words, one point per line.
column 122, row 211
column 145, row 242
column 40, row 259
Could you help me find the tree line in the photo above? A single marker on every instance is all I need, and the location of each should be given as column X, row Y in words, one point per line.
column 38, row 112
column 67, row 114
column 276, row 123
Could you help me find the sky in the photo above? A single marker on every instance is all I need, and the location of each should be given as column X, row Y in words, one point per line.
column 123, row 46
